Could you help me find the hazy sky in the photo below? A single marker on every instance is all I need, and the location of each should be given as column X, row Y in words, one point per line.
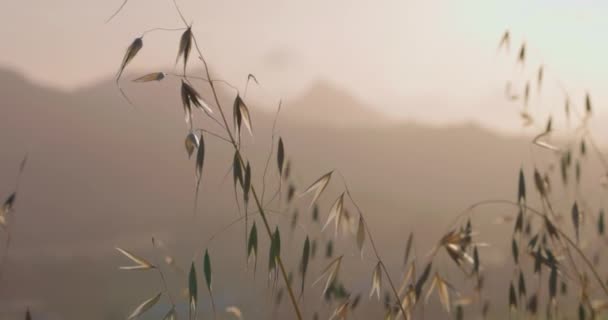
column 432, row 60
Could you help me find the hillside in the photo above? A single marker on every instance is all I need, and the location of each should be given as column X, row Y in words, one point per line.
column 103, row 174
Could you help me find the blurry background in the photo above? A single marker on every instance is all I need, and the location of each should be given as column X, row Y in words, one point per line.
column 406, row 98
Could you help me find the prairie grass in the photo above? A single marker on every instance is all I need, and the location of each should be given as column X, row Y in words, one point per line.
column 555, row 254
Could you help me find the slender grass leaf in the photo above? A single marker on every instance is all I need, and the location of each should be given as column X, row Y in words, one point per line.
column 376, row 281
column 539, row 77
column 280, row 156
column 144, row 306
column 8, row 204
column 512, row 297
column 185, row 45
column 408, row 248
column 207, row 269
column 247, row 183
column 171, row 315
column 140, row 264
column 515, row 251
column 600, row 223
column 539, row 183
column 521, row 57
column 341, row 311
column 522, row 285
column 318, row 186
column 330, row 273
column 132, row 51
column 304, row 262
column 576, row 220
column 244, row 112
column 355, row 302
column 335, row 213
column 361, row 235
column 235, row 311
column 315, row 213
column 193, row 291
column 519, row 222
column 521, row 190
column 505, row 41
column 275, row 250
column 553, row 283
column 422, row 279
column 329, row 249
column 155, row 76
column 252, row 245
column 532, row 305
column 476, row 262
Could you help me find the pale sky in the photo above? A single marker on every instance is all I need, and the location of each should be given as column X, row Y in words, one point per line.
column 433, row 61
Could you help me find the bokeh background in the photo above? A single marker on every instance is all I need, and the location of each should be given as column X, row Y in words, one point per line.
column 405, row 98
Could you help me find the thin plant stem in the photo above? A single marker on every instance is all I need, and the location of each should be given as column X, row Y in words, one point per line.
column 373, row 244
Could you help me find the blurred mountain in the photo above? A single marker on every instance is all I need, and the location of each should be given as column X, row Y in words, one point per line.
column 103, row 173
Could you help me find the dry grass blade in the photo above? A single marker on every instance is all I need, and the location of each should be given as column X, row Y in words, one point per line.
column 335, row 213
column 376, row 281
column 185, row 46
column 235, row 311
column 144, row 306
column 341, row 311
column 330, row 272
column 361, row 235
column 141, row 264
column 443, row 290
column 444, row 293
column 132, row 51
column 318, row 186
column 155, row 76
column 171, row 315
column 409, row 274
